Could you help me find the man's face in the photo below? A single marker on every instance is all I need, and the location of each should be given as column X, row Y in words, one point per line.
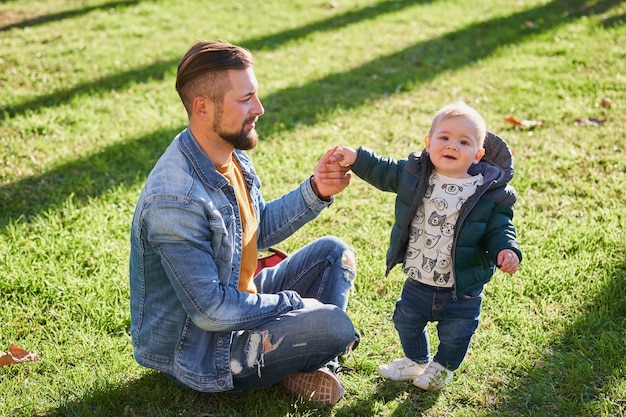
column 235, row 117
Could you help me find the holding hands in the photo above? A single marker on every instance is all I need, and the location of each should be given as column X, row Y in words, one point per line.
column 330, row 176
column 343, row 155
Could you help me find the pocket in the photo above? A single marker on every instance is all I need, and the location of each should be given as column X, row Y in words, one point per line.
column 221, row 225
column 476, row 294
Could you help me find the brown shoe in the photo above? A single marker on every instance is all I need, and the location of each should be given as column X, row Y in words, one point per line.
column 321, row 386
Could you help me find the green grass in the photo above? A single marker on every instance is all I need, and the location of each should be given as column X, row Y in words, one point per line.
column 87, row 105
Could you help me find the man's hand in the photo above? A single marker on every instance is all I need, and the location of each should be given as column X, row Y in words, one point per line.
column 330, row 177
column 311, row 302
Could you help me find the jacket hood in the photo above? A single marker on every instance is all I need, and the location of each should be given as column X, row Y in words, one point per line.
column 498, row 154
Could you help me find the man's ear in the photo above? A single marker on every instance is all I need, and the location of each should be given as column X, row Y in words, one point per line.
column 479, row 154
column 203, row 107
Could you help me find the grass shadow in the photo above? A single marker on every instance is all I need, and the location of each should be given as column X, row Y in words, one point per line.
column 152, row 394
column 125, row 162
column 615, row 21
column 584, row 363
column 159, row 69
column 120, row 164
column 405, row 70
column 411, row 401
column 333, row 23
column 43, row 19
column 104, row 85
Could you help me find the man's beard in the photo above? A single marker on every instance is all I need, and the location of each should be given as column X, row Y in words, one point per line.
column 241, row 140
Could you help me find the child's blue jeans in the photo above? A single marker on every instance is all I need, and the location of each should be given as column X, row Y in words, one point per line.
column 457, row 319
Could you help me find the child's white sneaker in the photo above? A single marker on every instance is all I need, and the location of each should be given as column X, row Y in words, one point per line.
column 434, row 377
column 402, row 369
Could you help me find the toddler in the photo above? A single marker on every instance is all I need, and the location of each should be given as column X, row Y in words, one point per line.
column 453, row 226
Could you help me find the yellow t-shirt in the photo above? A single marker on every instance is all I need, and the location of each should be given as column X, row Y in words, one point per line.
column 249, row 225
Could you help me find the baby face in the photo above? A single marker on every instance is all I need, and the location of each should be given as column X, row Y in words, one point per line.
column 454, row 146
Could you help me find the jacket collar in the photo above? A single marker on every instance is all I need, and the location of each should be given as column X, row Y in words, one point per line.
column 204, row 167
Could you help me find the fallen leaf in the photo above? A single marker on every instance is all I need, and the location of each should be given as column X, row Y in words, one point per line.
column 528, row 124
column 591, row 121
column 16, row 355
column 606, row 103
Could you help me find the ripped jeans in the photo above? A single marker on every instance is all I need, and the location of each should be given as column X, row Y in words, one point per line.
column 301, row 340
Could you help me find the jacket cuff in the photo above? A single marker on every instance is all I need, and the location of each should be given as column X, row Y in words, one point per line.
column 294, row 299
column 311, row 198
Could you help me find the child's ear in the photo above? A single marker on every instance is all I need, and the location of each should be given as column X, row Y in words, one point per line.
column 427, row 142
column 479, row 154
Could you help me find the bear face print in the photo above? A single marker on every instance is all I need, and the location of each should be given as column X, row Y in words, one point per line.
column 431, row 240
column 440, row 203
column 418, row 219
column 412, row 253
column 452, row 189
column 447, row 229
column 429, row 190
column 436, row 219
column 414, row 234
column 443, row 260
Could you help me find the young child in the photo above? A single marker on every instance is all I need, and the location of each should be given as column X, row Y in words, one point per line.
column 453, row 225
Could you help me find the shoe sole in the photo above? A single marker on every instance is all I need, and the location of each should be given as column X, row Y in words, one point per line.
column 321, row 386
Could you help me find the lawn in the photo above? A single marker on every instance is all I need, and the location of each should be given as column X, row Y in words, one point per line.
column 87, row 105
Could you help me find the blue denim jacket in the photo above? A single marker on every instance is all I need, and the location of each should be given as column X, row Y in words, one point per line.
column 185, row 255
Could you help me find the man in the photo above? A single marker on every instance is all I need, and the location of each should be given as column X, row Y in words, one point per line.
column 198, row 312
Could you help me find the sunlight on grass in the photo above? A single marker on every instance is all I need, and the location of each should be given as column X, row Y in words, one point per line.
column 88, row 105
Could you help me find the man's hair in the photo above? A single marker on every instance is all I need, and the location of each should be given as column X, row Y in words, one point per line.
column 460, row 109
column 203, row 71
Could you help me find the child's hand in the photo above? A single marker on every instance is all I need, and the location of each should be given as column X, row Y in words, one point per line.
column 344, row 155
column 330, row 177
column 508, row 261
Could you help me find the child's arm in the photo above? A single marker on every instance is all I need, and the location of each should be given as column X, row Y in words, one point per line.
column 508, row 261
column 383, row 173
column 344, row 155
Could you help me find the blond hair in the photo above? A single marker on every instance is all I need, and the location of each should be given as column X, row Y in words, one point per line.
column 460, row 109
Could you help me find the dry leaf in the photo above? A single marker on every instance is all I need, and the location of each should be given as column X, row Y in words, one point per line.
column 606, row 103
column 329, row 5
column 16, row 355
column 528, row 124
column 591, row 121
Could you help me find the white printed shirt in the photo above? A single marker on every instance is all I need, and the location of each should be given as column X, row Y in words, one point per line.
column 429, row 254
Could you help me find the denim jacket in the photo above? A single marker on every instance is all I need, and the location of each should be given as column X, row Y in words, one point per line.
column 185, row 255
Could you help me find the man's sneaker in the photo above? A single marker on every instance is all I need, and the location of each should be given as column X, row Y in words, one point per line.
column 433, row 378
column 402, row 369
column 321, row 386
column 352, row 346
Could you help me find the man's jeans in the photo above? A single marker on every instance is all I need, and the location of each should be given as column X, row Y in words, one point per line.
column 457, row 320
column 301, row 340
